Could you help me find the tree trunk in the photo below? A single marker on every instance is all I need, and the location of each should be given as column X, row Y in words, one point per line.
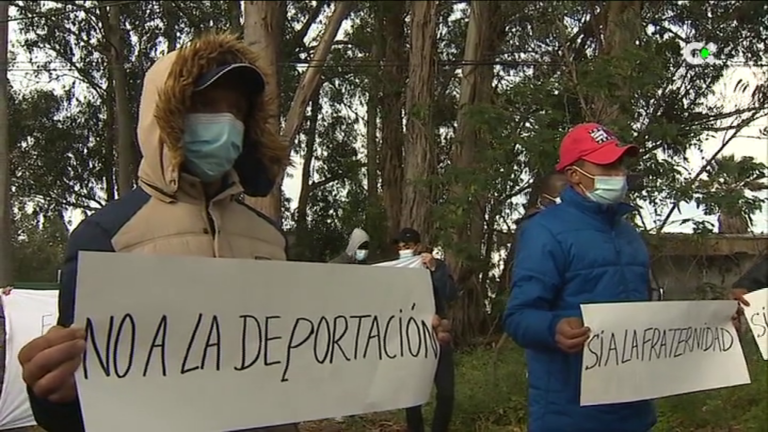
column 623, row 26
column 6, row 227
column 170, row 25
column 6, row 231
column 371, row 129
column 109, row 141
column 420, row 155
column 263, row 31
column 484, row 35
column 393, row 79
column 126, row 158
column 306, row 168
column 235, row 16
column 311, row 78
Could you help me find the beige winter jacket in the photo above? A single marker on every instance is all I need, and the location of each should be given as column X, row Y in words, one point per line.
column 168, row 214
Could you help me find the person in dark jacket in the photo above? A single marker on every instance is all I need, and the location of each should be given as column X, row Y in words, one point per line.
column 357, row 248
column 445, row 291
column 754, row 279
column 547, row 191
column 579, row 251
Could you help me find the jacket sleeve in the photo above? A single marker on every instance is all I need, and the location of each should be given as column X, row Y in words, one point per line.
column 443, row 284
column 536, row 278
column 88, row 236
column 756, row 277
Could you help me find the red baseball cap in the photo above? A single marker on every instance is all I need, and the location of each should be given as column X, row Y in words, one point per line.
column 593, row 143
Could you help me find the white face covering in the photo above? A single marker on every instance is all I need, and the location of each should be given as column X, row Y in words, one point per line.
column 361, row 254
column 408, row 253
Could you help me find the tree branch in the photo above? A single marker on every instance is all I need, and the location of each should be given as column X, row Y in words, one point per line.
column 324, row 182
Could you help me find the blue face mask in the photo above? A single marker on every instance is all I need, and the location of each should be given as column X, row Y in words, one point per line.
column 212, row 143
column 608, row 190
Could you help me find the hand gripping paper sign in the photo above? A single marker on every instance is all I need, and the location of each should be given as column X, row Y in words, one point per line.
column 646, row 350
column 757, row 317
column 207, row 345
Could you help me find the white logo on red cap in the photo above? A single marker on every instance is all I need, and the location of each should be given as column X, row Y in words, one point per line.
column 601, row 135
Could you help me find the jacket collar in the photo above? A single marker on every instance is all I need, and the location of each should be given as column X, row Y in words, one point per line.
column 610, row 212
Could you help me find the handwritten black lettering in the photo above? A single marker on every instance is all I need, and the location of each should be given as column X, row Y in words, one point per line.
column 159, row 340
column 184, row 368
column 759, row 322
column 268, row 339
column 90, row 336
column 244, row 342
column 208, row 342
column 611, row 349
column 293, row 344
column 338, row 336
column 213, row 341
column 323, row 345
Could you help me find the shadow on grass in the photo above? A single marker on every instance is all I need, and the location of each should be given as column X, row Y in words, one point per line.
column 491, row 397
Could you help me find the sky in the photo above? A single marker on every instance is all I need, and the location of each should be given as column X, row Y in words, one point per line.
column 747, row 144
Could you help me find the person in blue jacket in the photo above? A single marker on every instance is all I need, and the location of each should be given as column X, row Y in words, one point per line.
column 580, row 251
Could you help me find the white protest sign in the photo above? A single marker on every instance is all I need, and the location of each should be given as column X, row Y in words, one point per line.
column 646, row 350
column 28, row 314
column 412, row 262
column 757, row 317
column 207, row 345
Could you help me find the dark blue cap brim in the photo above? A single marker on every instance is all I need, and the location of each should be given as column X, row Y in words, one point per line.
column 249, row 76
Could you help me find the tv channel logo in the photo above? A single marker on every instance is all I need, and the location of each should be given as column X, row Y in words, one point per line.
column 699, row 53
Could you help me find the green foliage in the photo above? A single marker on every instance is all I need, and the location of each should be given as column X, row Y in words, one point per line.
column 550, row 71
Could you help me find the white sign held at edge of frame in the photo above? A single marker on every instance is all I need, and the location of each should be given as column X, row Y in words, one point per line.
column 28, row 314
column 756, row 315
column 227, row 344
column 646, row 350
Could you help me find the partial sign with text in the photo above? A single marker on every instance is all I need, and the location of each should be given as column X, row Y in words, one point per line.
column 757, row 317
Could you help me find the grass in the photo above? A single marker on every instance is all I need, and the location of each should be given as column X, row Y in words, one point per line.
column 491, row 397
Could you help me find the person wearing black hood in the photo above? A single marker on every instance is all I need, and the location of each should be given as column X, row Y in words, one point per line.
column 444, row 290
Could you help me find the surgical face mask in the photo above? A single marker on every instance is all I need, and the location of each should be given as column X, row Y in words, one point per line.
column 608, row 189
column 361, row 255
column 212, row 143
column 408, row 253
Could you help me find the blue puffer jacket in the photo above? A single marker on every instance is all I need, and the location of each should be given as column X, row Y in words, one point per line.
column 576, row 252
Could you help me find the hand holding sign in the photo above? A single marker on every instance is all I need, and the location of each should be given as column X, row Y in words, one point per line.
column 429, row 261
column 50, row 361
column 756, row 312
column 571, row 334
column 738, row 295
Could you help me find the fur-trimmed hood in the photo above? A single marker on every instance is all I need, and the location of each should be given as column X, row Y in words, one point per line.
column 165, row 99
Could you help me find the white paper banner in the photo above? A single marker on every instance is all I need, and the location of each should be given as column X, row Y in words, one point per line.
column 757, row 317
column 647, row 350
column 413, row 262
column 28, row 314
column 206, row 345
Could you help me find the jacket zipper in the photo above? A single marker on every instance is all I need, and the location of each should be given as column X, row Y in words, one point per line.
column 209, row 218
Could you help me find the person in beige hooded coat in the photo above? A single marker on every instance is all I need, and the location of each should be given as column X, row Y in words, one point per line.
column 206, row 146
